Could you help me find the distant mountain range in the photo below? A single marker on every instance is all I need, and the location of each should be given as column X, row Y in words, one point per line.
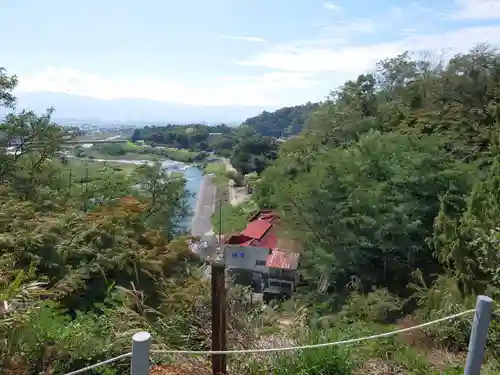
column 74, row 109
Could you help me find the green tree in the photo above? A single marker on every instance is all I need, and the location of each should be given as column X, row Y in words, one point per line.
column 7, row 85
column 253, row 154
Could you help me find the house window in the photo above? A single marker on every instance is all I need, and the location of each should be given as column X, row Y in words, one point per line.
column 260, row 262
column 238, row 255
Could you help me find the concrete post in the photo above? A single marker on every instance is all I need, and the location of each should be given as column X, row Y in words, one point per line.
column 141, row 342
column 479, row 333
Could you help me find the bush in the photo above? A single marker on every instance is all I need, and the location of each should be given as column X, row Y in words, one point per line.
column 333, row 360
column 50, row 339
column 113, row 150
column 444, row 298
column 237, row 177
column 324, row 361
column 378, row 306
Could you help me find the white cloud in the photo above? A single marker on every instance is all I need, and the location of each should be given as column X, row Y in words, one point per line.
column 477, row 9
column 332, row 7
column 320, row 60
column 252, row 39
column 356, row 59
column 265, row 89
column 292, row 73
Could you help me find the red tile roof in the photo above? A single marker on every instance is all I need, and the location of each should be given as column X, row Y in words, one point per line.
column 282, row 259
column 256, row 229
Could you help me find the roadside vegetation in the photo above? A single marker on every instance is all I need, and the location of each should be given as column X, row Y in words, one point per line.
column 232, row 219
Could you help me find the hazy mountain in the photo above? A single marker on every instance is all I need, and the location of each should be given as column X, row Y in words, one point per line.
column 75, row 108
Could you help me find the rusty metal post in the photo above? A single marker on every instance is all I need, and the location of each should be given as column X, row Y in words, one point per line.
column 218, row 318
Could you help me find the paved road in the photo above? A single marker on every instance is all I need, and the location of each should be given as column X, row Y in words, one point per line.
column 202, row 222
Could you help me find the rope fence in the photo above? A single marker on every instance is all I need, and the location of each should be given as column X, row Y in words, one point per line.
column 141, row 343
column 106, row 362
column 312, row 346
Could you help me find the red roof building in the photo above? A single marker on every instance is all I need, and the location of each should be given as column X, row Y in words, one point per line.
column 282, row 259
column 261, row 232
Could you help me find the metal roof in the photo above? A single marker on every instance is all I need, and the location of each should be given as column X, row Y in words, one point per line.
column 282, row 259
column 256, row 229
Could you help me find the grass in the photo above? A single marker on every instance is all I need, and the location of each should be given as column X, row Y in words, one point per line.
column 131, row 151
column 233, row 218
column 85, row 171
column 96, row 154
column 92, row 137
column 179, row 154
column 385, row 356
column 176, row 174
column 96, row 170
column 124, row 167
column 218, row 169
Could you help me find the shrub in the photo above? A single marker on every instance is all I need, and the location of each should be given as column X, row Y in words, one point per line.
column 444, row 298
column 378, row 306
column 333, row 360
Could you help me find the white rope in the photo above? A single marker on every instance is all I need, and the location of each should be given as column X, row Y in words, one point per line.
column 343, row 342
column 267, row 350
column 99, row 364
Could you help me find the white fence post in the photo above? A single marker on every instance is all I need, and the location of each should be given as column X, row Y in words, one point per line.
column 479, row 333
column 141, row 342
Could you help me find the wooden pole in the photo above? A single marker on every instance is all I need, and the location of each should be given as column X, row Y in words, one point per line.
column 218, row 318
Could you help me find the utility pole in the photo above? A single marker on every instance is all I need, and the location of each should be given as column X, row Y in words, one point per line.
column 218, row 318
column 220, row 222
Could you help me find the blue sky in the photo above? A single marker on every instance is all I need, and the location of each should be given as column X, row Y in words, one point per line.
column 223, row 52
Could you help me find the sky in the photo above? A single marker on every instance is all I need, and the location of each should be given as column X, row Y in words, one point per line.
column 226, row 52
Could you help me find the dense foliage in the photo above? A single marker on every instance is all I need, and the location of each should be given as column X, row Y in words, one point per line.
column 87, row 256
column 248, row 150
column 250, row 147
column 284, row 122
column 394, row 184
column 195, row 137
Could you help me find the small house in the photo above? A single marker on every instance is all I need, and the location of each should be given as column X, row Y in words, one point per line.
column 254, row 257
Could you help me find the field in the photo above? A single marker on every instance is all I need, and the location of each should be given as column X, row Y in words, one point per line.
column 94, row 169
column 132, row 151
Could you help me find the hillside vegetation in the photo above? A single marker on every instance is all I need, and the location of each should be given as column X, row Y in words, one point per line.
column 391, row 190
column 250, row 146
column 284, row 122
